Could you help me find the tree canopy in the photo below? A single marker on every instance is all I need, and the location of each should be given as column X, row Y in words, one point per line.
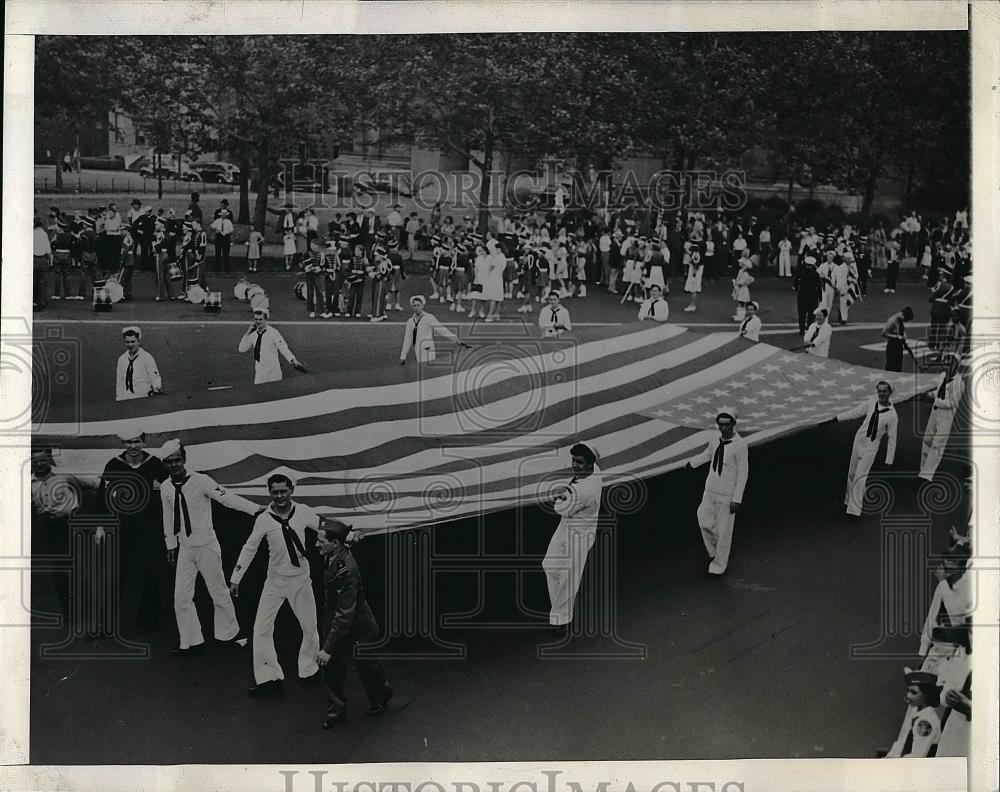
column 849, row 108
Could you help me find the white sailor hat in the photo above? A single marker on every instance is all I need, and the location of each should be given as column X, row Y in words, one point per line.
column 728, row 411
column 810, row 259
column 754, row 304
column 171, row 448
column 820, row 312
column 418, row 298
column 132, row 330
column 127, row 433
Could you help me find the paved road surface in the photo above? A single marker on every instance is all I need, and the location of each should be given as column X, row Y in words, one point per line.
column 756, row 664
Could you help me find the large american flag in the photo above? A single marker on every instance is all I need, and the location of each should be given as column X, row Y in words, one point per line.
column 486, row 429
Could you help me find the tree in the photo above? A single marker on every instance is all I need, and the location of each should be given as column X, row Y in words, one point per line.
column 268, row 94
column 74, row 85
column 476, row 95
column 161, row 90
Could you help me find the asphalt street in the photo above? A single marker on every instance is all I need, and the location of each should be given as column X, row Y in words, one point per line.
column 666, row 663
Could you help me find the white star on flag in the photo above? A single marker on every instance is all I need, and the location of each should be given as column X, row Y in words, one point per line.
column 702, row 400
column 765, row 392
column 799, row 377
column 816, row 366
column 810, row 393
column 827, row 383
column 772, row 367
column 756, row 376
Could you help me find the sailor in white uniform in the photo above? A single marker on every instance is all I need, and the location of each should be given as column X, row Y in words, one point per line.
column 727, row 478
column 267, row 344
column 283, row 524
column 655, row 308
column 554, row 319
column 818, row 334
column 751, row 324
column 193, row 546
column 418, row 334
column 879, row 420
column 566, row 557
column 138, row 375
column 947, row 396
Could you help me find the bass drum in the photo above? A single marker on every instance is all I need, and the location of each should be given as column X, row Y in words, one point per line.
column 115, row 290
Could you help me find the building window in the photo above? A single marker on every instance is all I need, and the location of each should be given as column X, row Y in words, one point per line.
column 140, row 139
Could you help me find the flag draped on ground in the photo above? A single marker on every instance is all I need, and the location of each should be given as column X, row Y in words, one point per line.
column 486, row 430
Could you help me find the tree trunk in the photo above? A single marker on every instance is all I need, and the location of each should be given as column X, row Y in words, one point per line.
column 260, row 209
column 159, row 176
column 243, row 217
column 791, row 187
column 484, row 187
column 59, row 180
column 869, row 197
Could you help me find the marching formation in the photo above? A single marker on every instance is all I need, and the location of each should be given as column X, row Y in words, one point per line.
column 357, row 272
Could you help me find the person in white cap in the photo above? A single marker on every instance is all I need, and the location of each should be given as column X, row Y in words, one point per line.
column 727, row 478
column 946, row 397
column 921, row 727
column 419, row 333
column 751, row 324
column 880, row 420
column 267, row 344
column 283, row 524
column 566, row 557
column 655, row 307
column 138, row 375
column 130, row 491
column 554, row 319
column 818, row 334
column 194, row 548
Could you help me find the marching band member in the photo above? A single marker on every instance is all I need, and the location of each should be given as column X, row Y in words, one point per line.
column 397, row 276
column 267, row 343
column 193, row 547
column 566, row 557
column 356, row 281
column 554, row 318
column 137, row 376
column 312, row 266
column 655, row 308
column 378, row 271
column 439, row 273
column 880, row 420
column 750, row 328
column 946, row 399
column 283, row 524
column 818, row 334
column 419, row 333
column 727, row 478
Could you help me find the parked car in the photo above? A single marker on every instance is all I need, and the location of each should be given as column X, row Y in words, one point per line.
column 149, row 172
column 218, row 172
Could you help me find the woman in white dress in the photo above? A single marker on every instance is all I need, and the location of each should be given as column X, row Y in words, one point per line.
column 493, row 285
column 693, row 283
column 478, row 290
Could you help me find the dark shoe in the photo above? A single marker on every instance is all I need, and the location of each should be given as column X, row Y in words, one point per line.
column 309, row 680
column 271, row 687
column 332, row 719
column 191, row 650
column 378, row 709
column 234, row 643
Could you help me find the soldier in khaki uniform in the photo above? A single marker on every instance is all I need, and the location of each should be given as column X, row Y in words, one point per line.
column 347, row 621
